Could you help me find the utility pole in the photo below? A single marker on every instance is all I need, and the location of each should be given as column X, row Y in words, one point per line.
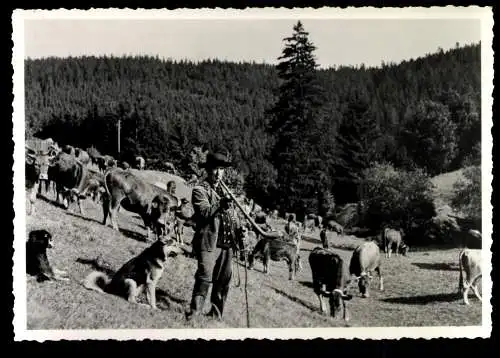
column 119, row 127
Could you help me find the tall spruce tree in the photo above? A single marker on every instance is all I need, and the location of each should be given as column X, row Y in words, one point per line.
column 296, row 123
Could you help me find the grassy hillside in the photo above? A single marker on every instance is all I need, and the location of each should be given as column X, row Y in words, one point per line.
column 443, row 183
column 417, row 287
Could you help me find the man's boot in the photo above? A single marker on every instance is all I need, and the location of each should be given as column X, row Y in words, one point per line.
column 218, row 302
column 196, row 307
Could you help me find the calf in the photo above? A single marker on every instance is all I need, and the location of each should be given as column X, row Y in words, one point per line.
column 365, row 259
column 392, row 237
column 276, row 250
column 329, row 276
column 469, row 261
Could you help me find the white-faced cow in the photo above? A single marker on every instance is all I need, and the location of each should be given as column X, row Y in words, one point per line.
column 365, row 259
column 330, row 277
column 469, row 262
column 36, row 170
column 391, row 237
column 154, row 205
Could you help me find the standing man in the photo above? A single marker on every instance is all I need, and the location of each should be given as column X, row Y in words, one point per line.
column 212, row 240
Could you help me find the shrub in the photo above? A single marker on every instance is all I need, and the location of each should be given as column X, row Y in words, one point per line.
column 400, row 199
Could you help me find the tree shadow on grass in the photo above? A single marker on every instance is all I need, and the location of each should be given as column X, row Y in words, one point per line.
column 295, row 299
column 425, row 299
column 84, row 217
column 440, row 266
column 50, row 201
column 135, row 235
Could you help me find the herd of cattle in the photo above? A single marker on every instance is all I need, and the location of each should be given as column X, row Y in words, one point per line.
column 69, row 174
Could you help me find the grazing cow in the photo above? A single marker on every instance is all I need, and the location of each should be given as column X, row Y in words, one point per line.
column 154, row 205
column 365, row 259
column 330, row 277
column 334, row 226
column 469, row 261
column 276, row 250
column 72, row 179
column 392, row 237
column 36, row 169
column 140, row 163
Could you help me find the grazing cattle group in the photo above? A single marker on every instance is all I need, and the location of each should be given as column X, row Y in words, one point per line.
column 163, row 213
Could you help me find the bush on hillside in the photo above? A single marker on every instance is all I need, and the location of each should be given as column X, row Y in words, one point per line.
column 467, row 193
column 396, row 198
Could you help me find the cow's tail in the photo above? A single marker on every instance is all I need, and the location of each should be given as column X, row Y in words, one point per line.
column 461, row 277
column 96, row 281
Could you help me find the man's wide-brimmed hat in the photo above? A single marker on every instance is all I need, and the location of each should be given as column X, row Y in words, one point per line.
column 216, row 160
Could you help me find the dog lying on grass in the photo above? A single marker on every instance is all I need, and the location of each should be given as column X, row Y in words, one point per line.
column 37, row 262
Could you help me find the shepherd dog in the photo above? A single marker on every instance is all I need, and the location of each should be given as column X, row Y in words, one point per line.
column 37, row 262
column 141, row 272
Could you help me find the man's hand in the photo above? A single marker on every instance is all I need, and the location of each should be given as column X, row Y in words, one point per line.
column 224, row 203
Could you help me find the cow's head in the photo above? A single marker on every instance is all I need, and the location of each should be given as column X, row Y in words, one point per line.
column 364, row 284
column 338, row 298
column 160, row 213
column 403, row 249
column 40, row 162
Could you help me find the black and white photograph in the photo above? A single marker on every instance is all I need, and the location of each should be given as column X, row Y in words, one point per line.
column 260, row 173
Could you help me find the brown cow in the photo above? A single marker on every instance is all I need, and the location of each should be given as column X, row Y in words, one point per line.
column 330, row 277
column 154, row 205
column 36, row 170
column 392, row 237
column 365, row 259
column 72, row 179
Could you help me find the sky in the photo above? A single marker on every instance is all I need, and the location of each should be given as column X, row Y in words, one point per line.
column 338, row 41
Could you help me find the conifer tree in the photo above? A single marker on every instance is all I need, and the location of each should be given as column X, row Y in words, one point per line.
column 296, row 122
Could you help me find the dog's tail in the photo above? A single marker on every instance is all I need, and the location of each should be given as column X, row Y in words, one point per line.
column 96, row 281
